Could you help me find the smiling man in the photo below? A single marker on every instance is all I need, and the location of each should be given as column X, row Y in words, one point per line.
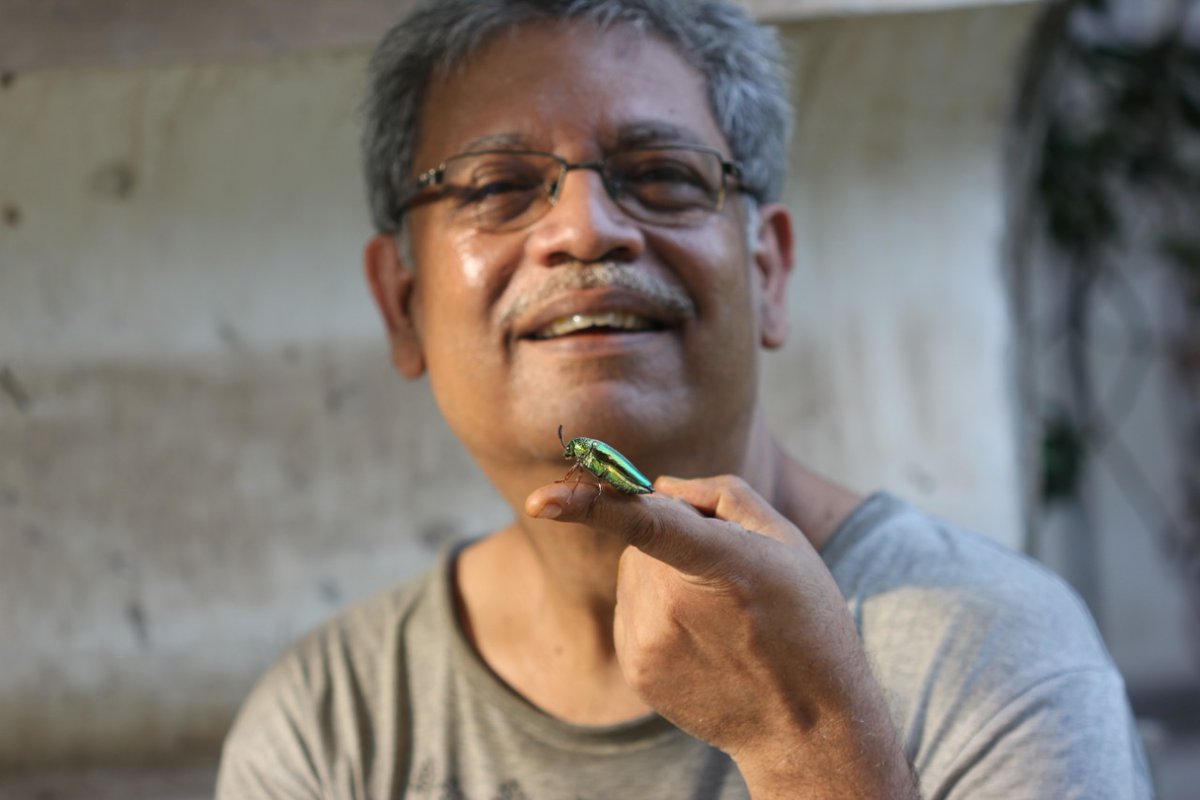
column 578, row 226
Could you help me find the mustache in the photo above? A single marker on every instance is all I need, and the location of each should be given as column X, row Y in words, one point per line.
column 578, row 276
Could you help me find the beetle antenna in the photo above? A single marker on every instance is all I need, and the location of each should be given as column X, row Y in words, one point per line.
column 560, row 439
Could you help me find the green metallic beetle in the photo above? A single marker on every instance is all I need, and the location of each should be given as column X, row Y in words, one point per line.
column 603, row 461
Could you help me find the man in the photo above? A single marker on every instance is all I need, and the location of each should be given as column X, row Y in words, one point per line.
column 578, row 226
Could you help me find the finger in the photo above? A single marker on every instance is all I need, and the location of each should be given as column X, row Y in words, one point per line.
column 550, row 501
column 730, row 498
column 665, row 528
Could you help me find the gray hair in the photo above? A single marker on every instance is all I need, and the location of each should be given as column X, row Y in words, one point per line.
column 741, row 63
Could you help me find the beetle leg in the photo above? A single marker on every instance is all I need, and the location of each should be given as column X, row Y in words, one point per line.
column 577, row 471
column 574, row 468
column 599, row 491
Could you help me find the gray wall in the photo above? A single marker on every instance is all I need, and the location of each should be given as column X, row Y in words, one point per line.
column 203, row 451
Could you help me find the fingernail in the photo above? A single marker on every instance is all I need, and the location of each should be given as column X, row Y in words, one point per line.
column 550, row 511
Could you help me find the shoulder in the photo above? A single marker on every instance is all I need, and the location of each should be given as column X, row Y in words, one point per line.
column 902, row 568
column 997, row 676
column 349, row 645
column 326, row 689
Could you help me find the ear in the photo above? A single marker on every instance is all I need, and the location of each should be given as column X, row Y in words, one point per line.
column 773, row 257
column 393, row 284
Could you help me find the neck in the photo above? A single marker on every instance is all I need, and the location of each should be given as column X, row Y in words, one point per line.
column 539, row 611
column 537, row 597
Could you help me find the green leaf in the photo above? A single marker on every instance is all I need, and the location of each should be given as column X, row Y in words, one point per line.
column 1064, row 451
column 1183, row 250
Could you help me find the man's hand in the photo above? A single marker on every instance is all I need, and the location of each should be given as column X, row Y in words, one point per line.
column 729, row 625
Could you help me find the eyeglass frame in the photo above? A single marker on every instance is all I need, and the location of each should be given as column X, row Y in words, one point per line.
column 436, row 175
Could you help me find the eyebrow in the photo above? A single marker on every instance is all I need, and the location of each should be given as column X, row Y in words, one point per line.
column 496, row 141
column 657, row 132
column 635, row 134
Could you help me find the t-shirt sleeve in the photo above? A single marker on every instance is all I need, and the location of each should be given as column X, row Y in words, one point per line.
column 330, row 718
column 267, row 753
column 1068, row 736
column 998, row 680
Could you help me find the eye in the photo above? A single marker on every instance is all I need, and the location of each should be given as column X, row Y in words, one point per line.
column 494, row 190
column 661, row 170
column 658, row 181
column 492, row 183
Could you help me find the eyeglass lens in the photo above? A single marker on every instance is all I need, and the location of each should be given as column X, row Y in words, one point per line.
column 500, row 190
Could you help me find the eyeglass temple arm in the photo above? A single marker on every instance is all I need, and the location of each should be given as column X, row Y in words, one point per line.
column 431, row 177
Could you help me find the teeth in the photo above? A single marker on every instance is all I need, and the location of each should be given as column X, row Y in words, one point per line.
column 608, row 319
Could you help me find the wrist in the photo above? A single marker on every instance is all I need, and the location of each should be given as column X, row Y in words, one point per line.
column 851, row 758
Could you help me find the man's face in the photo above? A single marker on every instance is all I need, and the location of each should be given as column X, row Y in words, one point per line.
column 480, row 309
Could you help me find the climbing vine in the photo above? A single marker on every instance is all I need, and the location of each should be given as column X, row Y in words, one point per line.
column 1109, row 140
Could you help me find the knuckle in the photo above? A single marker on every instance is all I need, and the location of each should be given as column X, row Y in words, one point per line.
column 638, row 673
column 742, row 594
column 644, row 531
column 733, row 482
column 732, row 486
column 737, row 496
column 649, row 658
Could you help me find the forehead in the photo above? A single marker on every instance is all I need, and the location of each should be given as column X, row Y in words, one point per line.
column 566, row 87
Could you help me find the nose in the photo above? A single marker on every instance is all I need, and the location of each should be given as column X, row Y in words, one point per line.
column 585, row 224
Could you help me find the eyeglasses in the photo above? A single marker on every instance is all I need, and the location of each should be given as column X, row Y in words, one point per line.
column 505, row 190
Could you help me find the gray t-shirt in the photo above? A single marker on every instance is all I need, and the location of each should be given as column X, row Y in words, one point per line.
column 996, row 677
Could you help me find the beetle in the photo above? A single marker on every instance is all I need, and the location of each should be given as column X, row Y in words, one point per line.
column 606, row 463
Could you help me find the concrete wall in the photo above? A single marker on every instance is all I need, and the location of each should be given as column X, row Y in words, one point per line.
column 895, row 376
column 203, row 451
column 85, row 33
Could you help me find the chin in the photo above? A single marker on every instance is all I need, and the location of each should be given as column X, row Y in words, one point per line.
column 614, row 413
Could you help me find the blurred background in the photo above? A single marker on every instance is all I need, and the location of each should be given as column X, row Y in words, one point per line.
column 204, row 451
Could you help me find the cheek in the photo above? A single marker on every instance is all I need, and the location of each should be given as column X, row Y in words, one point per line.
column 461, row 366
column 460, row 281
column 717, row 270
column 724, row 282
column 463, row 277
column 455, row 334
column 479, row 261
